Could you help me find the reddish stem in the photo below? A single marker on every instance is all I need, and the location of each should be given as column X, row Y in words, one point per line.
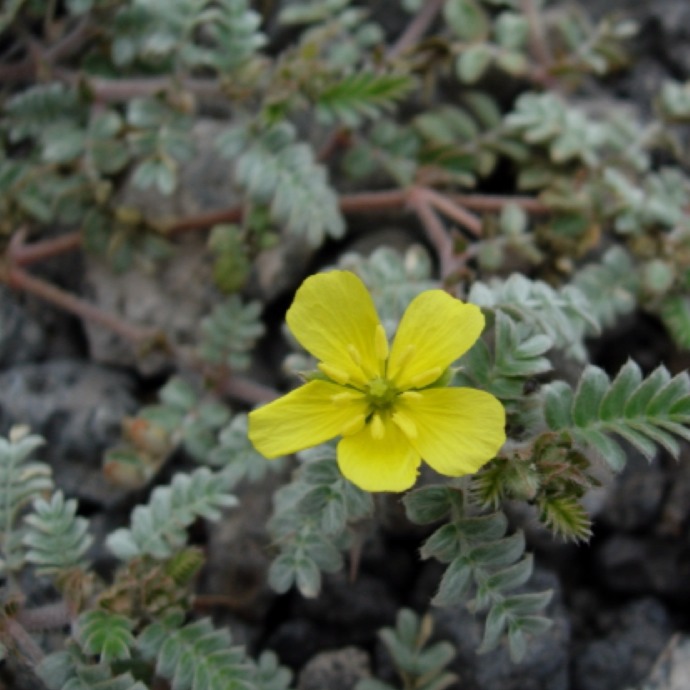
column 451, row 209
column 485, row 202
column 19, row 279
column 24, row 255
column 248, row 391
column 416, row 28
column 435, row 230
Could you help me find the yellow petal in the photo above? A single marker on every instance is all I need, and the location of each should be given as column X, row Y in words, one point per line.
column 434, row 331
column 388, row 463
column 307, row 416
column 334, row 318
column 458, row 429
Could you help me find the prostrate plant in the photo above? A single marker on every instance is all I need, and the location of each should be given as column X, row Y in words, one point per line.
column 323, row 117
column 127, row 633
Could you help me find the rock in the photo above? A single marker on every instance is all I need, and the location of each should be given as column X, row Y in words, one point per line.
column 634, row 498
column 336, row 670
column 631, row 565
column 357, row 608
column 79, row 408
column 297, row 640
column 675, row 513
column 176, row 294
column 173, row 299
column 624, row 655
column 238, row 554
column 344, row 613
column 545, row 666
column 672, row 669
column 21, row 336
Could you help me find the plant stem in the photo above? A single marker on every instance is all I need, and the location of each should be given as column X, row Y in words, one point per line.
column 19, row 279
column 416, row 28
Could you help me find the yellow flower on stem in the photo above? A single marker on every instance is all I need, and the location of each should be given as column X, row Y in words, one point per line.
column 390, row 406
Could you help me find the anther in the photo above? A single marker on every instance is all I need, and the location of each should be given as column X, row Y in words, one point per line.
column 411, row 395
column 381, row 343
column 378, row 430
column 354, row 354
column 405, row 424
column 404, row 358
column 353, row 426
column 346, row 397
column 426, row 377
column 334, row 373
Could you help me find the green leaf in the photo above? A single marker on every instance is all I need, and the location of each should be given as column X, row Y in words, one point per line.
column 429, row 504
column 675, row 313
column 278, row 171
column 565, row 517
column 230, row 333
column 498, row 553
column 473, row 62
column 195, row 655
column 106, row 635
column 361, row 95
column 443, row 544
column 592, row 388
column 158, row 529
column 467, row 19
column 56, row 539
column 455, row 583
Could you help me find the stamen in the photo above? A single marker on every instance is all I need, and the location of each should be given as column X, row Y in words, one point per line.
column 405, row 424
column 334, row 373
column 346, row 397
column 355, row 354
column 425, row 378
column 404, row 358
column 353, row 426
column 381, row 343
column 378, row 430
column 411, row 395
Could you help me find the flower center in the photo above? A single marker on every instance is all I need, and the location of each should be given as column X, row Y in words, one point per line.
column 381, row 393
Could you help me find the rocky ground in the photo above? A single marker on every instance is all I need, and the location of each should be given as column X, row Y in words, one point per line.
column 621, row 604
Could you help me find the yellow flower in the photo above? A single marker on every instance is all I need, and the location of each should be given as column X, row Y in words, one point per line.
column 389, row 406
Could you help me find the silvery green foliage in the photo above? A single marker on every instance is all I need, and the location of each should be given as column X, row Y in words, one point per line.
column 566, row 133
column 502, row 368
column 394, row 279
column 158, row 528
column 564, row 315
column 357, row 97
column 420, row 664
column 55, row 539
column 659, row 199
column 646, row 412
column 173, row 35
column 280, row 172
column 482, row 561
column 610, row 286
column 229, row 333
column 159, row 138
column 311, row 522
column 21, row 482
column 106, row 635
column 192, row 656
column 236, row 455
column 197, row 656
column 71, row 669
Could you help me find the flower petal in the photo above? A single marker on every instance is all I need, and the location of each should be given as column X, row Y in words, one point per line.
column 388, row 463
column 434, row 331
column 307, row 416
column 457, row 429
column 334, row 318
